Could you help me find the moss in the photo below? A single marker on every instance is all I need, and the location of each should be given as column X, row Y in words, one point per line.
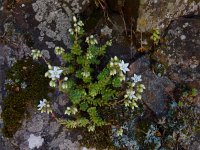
column 100, row 138
column 18, row 99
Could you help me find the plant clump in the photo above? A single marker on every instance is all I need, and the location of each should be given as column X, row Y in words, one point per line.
column 91, row 90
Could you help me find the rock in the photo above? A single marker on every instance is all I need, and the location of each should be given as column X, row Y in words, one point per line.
column 183, row 54
column 128, row 10
column 62, row 99
column 48, row 21
column 36, row 124
column 156, row 87
column 63, row 143
column 53, row 128
column 167, row 10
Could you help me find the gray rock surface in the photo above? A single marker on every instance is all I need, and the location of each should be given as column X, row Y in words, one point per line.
column 155, row 94
column 159, row 13
column 183, row 54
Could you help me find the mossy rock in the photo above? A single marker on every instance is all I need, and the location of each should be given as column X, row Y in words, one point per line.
column 18, row 99
column 100, row 138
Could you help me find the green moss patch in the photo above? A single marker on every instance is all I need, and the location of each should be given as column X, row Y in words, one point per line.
column 26, row 86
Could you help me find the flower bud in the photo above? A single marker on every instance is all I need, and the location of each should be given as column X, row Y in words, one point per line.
column 111, row 64
column 74, row 19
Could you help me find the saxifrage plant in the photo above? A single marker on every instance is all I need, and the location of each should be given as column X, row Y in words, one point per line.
column 89, row 88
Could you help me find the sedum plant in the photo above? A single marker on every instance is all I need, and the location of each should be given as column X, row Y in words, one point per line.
column 89, row 88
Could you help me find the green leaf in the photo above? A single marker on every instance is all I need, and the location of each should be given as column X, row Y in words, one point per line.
column 180, row 104
column 194, row 92
column 83, row 106
column 67, row 57
column 107, row 94
column 76, row 49
column 75, row 96
column 103, row 74
column 116, row 82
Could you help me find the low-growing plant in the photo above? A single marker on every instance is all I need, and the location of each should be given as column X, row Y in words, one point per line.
column 91, row 86
column 25, row 84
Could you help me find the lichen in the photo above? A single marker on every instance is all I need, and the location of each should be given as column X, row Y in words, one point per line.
column 167, row 10
column 54, row 19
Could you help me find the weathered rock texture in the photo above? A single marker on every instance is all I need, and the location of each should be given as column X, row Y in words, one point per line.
column 159, row 13
column 183, row 50
column 44, row 24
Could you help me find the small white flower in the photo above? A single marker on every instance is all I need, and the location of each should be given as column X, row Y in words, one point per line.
column 123, row 66
column 23, row 85
column 130, row 94
column 42, row 104
column 136, row 78
column 55, row 73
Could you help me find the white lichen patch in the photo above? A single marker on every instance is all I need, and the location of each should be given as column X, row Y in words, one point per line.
column 185, row 25
column 46, row 54
column 35, row 141
column 183, row 37
column 54, row 18
column 106, row 31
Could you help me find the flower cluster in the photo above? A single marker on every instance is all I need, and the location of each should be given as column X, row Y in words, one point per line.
column 44, row 106
column 71, row 110
column 118, row 67
column 88, row 88
column 53, row 73
column 77, row 27
column 91, row 40
column 59, row 50
column 134, row 91
column 36, row 54
column 64, row 83
column 123, row 66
